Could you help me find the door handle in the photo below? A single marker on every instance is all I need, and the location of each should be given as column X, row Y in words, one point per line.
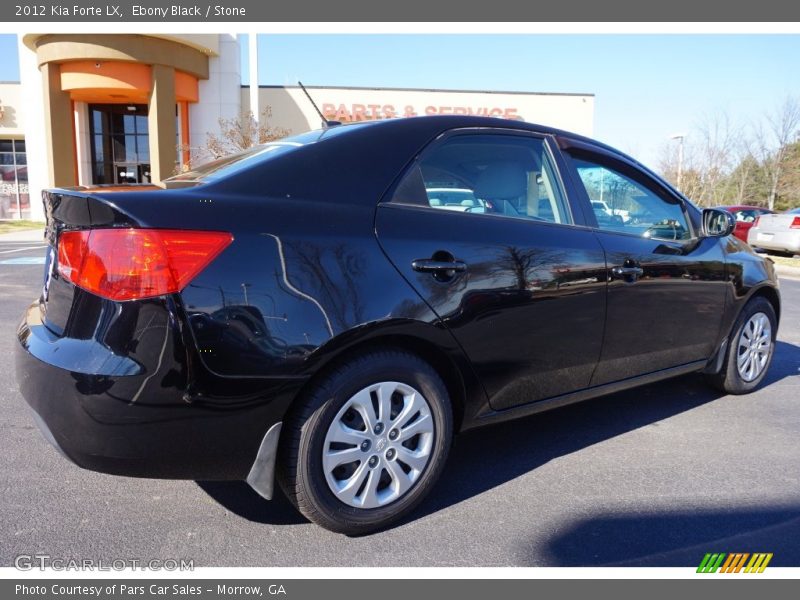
column 627, row 272
column 428, row 265
column 442, row 266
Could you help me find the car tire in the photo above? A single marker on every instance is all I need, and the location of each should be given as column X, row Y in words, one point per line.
column 360, row 497
column 748, row 338
column 781, row 253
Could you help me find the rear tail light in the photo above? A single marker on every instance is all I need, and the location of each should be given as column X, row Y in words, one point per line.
column 795, row 223
column 128, row 264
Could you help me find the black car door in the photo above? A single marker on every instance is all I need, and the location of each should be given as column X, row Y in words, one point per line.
column 481, row 227
column 667, row 285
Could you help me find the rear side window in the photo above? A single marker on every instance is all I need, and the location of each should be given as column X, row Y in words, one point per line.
column 506, row 175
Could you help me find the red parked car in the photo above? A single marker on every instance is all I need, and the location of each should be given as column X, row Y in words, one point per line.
column 745, row 217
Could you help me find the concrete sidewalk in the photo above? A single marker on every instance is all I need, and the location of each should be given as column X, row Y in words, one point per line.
column 787, row 271
column 25, row 235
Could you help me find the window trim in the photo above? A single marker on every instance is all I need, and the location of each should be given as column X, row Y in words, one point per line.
column 574, row 212
column 617, row 164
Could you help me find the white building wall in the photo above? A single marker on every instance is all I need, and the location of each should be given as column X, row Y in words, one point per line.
column 11, row 124
column 31, row 111
column 292, row 110
column 219, row 95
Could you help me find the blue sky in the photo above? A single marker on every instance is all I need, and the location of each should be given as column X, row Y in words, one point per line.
column 646, row 86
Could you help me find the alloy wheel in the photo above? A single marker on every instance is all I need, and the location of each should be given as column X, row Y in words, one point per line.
column 378, row 445
column 753, row 349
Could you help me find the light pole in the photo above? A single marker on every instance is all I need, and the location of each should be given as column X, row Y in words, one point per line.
column 679, row 137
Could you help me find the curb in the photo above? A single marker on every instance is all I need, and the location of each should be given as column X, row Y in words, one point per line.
column 24, row 235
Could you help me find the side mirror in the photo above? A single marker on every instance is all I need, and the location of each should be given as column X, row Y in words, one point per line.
column 717, row 223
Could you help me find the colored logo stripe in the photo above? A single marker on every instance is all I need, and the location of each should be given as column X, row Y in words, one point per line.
column 758, row 563
column 711, row 563
column 734, row 562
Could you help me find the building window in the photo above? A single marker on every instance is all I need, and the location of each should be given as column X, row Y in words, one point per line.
column 15, row 199
column 120, row 143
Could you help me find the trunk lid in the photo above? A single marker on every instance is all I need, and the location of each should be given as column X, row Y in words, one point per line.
column 778, row 222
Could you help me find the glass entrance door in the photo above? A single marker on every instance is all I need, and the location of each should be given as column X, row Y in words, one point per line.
column 120, row 143
column 131, row 173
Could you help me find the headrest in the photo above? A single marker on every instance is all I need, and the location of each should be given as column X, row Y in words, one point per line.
column 502, row 180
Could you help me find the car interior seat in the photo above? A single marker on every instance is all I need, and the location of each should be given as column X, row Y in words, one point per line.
column 501, row 184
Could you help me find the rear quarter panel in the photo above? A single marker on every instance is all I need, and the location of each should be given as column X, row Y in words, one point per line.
column 298, row 274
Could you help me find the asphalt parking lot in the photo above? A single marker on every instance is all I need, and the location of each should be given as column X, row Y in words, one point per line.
column 655, row 476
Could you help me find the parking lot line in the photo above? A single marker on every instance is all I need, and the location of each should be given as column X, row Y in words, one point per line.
column 21, row 249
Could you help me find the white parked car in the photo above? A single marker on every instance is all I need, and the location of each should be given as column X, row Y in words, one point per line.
column 779, row 233
column 458, row 199
column 602, row 206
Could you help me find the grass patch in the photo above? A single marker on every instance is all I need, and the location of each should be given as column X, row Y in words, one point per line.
column 21, row 225
column 785, row 260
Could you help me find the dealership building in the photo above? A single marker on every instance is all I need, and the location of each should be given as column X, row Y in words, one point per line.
column 120, row 108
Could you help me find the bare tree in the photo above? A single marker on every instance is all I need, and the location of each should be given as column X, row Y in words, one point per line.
column 727, row 163
column 667, row 162
column 740, row 181
column 236, row 134
column 774, row 138
column 717, row 138
column 691, row 177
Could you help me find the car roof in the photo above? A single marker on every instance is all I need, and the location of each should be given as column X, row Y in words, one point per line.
column 442, row 123
column 445, row 122
column 336, row 144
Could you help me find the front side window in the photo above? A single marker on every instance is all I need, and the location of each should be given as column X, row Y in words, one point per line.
column 504, row 175
column 623, row 205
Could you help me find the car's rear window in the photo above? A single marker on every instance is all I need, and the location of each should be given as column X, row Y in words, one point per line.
column 235, row 162
column 228, row 165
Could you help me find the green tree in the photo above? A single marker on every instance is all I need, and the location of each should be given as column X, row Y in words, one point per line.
column 788, row 192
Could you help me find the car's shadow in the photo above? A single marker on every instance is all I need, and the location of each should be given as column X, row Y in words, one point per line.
column 676, row 538
column 520, row 446
column 239, row 498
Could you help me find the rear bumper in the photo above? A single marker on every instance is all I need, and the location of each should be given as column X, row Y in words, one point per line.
column 787, row 241
column 128, row 417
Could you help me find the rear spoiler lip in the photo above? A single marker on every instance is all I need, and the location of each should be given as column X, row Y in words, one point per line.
column 108, row 187
column 74, row 208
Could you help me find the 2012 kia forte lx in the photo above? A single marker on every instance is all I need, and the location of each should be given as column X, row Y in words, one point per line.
column 335, row 306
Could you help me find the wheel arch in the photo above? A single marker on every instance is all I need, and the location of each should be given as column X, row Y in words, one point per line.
column 771, row 295
column 763, row 290
column 462, row 386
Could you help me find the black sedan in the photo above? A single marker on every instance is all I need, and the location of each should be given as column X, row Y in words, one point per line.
column 332, row 308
